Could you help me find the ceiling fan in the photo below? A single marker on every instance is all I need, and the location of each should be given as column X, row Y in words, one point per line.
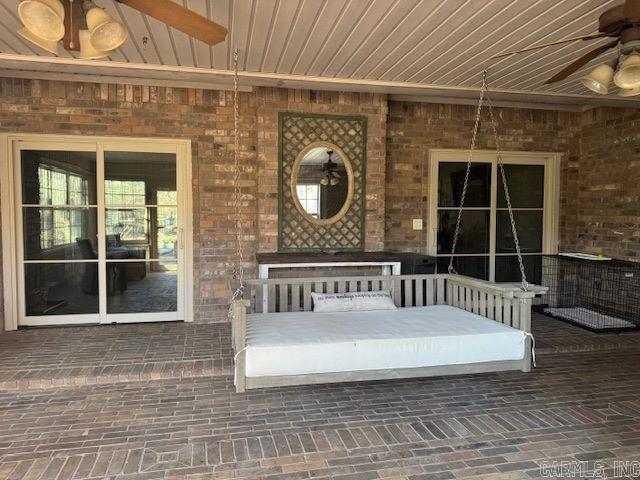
column 622, row 23
column 90, row 30
column 329, row 168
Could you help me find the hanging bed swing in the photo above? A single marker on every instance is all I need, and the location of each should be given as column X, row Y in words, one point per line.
column 298, row 331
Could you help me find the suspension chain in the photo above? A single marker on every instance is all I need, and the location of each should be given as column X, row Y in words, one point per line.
column 476, row 125
column 507, row 196
column 238, row 268
column 484, row 92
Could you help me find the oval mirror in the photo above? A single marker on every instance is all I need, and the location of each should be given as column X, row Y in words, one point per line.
column 322, row 183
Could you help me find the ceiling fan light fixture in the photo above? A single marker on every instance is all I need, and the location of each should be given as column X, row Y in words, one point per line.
column 629, row 92
column 87, row 50
column 48, row 45
column 628, row 74
column 599, row 79
column 43, row 18
column 106, row 33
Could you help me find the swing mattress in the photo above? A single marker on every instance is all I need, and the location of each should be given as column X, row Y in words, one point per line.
column 297, row 343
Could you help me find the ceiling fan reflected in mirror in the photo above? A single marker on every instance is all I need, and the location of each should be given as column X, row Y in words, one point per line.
column 88, row 29
column 330, row 170
column 622, row 23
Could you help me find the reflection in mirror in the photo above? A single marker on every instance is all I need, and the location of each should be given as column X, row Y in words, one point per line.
column 322, row 183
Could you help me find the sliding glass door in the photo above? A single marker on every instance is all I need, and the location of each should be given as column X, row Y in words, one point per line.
column 485, row 246
column 100, row 232
column 58, row 223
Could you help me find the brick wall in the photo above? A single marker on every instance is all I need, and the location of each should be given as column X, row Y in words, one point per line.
column 414, row 128
column 608, row 219
column 206, row 118
column 203, row 116
column 274, row 100
column 399, row 137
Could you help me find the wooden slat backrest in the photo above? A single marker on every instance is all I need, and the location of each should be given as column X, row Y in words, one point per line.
column 504, row 304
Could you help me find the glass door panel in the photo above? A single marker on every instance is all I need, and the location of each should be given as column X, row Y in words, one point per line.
column 59, row 234
column 473, row 247
column 99, row 238
column 526, row 191
column 142, row 234
column 485, row 246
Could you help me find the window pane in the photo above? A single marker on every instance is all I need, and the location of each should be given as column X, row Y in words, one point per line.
column 526, row 186
column 142, row 233
column 309, row 198
column 474, row 231
column 60, row 233
column 138, row 178
column 142, row 287
column 477, row 267
column 58, row 178
column 61, row 288
column 128, row 224
column 508, row 270
column 451, row 181
column 166, row 197
column 124, row 193
column 529, row 227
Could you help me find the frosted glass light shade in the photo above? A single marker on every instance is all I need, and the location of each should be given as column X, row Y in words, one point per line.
column 599, row 79
column 628, row 74
column 48, row 45
column 106, row 33
column 87, row 50
column 43, row 18
column 629, row 92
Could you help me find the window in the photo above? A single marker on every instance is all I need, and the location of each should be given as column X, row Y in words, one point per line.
column 127, row 221
column 58, row 187
column 485, row 247
column 309, row 197
column 60, row 226
column 124, row 193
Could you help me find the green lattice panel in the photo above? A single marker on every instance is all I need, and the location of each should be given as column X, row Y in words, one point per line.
column 297, row 131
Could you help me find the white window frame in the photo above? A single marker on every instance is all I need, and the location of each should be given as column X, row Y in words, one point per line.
column 305, row 200
column 551, row 202
column 10, row 144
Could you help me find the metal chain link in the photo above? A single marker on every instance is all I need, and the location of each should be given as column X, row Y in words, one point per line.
column 484, row 91
column 238, row 268
column 507, row 196
column 466, row 176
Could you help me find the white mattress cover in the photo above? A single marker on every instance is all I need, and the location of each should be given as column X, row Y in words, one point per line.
column 295, row 343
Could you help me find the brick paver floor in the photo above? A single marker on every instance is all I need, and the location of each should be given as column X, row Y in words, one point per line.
column 51, row 357
column 55, row 357
column 579, row 407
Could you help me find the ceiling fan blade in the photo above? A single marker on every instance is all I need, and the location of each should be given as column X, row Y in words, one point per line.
column 632, row 11
column 556, row 42
column 181, row 18
column 583, row 60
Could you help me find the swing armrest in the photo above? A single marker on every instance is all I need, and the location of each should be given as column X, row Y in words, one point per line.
column 506, row 290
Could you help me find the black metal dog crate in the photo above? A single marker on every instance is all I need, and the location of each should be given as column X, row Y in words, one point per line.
column 600, row 295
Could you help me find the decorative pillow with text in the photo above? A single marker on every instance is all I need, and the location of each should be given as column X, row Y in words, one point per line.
column 352, row 302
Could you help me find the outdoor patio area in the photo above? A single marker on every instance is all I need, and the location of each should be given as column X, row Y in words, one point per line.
column 581, row 407
column 56, row 357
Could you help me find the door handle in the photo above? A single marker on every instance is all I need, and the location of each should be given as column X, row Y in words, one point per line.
column 181, row 239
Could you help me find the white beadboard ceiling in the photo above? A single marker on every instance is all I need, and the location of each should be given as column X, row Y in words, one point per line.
column 423, row 49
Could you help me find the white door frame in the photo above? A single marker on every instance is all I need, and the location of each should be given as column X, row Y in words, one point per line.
column 551, row 202
column 11, row 229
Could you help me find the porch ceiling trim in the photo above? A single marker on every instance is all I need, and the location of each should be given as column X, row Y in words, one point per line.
column 24, row 66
